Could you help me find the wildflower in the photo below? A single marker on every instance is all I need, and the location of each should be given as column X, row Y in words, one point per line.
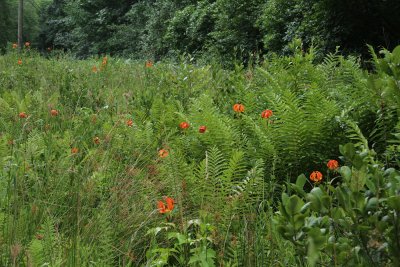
column 96, row 140
column 104, row 61
column 34, row 209
column 266, row 114
column 239, row 108
column 54, row 112
column 332, row 164
column 149, row 64
column 316, row 176
column 49, row 49
column 19, row 62
column 129, row 123
column 27, row 44
column 162, row 208
column 248, row 75
column 94, row 118
column 14, row 45
column 202, row 129
column 23, row 115
column 184, row 125
column 74, row 150
column 162, row 153
column 94, row 69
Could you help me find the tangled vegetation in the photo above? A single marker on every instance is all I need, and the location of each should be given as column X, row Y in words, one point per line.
column 111, row 162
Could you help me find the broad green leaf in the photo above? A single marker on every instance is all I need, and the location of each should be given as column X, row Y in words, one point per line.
column 394, row 202
column 358, row 180
column 372, row 204
column 346, row 173
column 301, row 181
column 348, row 150
column 294, row 205
column 370, row 184
column 396, row 54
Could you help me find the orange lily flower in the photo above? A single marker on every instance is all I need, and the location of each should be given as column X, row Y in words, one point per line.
column 239, row 108
column 266, row 114
column 104, row 61
column 163, row 153
column 184, row 125
column 202, row 129
column 332, row 164
column 96, row 140
column 54, row 112
column 149, row 64
column 162, row 208
column 23, row 115
column 316, row 176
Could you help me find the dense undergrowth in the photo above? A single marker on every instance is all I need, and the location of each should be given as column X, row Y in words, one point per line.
column 89, row 149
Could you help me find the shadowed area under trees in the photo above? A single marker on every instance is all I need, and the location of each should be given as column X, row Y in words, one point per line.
column 220, row 30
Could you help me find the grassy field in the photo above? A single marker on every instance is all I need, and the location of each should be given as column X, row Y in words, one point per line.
column 108, row 162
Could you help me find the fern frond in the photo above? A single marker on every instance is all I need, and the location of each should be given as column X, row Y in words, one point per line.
column 216, row 165
column 251, row 188
column 35, row 145
column 355, row 134
column 236, row 168
column 35, row 252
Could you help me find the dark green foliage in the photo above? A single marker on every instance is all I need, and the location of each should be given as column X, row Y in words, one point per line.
column 4, row 24
column 128, row 40
column 355, row 211
column 236, row 34
column 209, row 30
column 329, row 23
column 189, row 29
column 56, row 26
column 371, row 22
column 8, row 22
column 83, row 26
column 352, row 223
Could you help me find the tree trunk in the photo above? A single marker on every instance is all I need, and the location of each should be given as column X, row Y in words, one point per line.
column 20, row 23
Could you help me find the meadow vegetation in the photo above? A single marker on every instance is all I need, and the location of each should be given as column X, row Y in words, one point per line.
column 114, row 162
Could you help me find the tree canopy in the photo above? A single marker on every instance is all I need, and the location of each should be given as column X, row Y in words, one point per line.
column 219, row 29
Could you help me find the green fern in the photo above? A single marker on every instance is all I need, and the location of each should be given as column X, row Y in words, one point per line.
column 355, row 134
column 251, row 188
column 236, row 169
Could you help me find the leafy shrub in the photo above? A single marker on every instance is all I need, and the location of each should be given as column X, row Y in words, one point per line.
column 350, row 218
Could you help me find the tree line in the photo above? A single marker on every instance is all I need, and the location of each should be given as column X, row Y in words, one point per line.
column 206, row 29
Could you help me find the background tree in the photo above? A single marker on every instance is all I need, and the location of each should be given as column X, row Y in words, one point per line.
column 208, row 29
column 236, row 33
column 328, row 23
column 56, row 26
column 4, row 22
column 189, row 30
column 9, row 23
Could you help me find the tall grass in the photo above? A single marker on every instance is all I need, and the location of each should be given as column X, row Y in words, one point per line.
column 98, row 206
